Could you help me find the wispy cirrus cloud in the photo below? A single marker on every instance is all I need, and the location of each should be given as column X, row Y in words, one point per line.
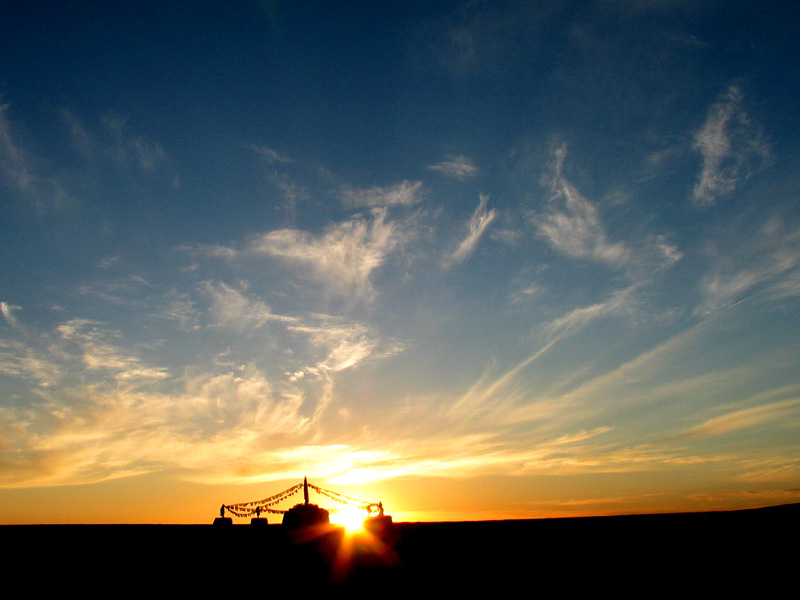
column 270, row 155
column 235, row 310
column 741, row 419
column 98, row 352
column 112, row 142
column 768, row 262
column 786, row 495
column 571, row 224
column 18, row 360
column 208, row 250
column 293, row 193
column 101, row 411
column 8, row 310
column 343, row 258
column 112, row 416
column 16, row 167
column 732, row 148
column 481, row 218
column 458, row 167
column 108, row 144
column 76, row 349
column 403, row 194
column 82, row 434
column 23, row 175
column 343, row 345
column 477, row 38
column 498, row 398
column 620, row 302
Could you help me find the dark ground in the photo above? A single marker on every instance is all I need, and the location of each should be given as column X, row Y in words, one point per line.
column 751, row 551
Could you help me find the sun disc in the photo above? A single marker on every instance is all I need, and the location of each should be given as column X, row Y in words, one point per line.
column 351, row 520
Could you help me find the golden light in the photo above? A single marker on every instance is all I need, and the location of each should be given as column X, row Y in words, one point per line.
column 351, row 519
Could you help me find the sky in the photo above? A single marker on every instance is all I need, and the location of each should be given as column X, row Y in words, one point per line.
column 478, row 260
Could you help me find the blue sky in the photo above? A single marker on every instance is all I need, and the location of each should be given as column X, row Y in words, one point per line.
column 541, row 257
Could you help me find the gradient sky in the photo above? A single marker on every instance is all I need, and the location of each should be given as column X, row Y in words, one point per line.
column 473, row 259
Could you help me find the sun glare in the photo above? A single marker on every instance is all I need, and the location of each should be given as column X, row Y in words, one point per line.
column 351, row 520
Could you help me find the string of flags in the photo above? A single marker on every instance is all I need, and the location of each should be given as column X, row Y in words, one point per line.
column 341, row 498
column 256, row 507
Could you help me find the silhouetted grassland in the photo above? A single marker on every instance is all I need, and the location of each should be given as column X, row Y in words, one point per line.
column 643, row 555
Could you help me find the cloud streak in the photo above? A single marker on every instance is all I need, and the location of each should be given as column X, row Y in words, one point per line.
column 767, row 263
column 571, row 224
column 112, row 143
column 234, row 310
column 343, row 258
column 499, row 399
column 270, row 155
column 742, row 419
column 481, row 219
column 8, row 310
column 459, row 167
column 401, row 194
column 19, row 169
column 732, row 148
column 86, row 434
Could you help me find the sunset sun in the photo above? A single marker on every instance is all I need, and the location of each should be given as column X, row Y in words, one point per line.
column 351, row 519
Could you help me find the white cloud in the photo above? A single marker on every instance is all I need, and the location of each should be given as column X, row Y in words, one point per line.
column 572, row 224
column 20, row 360
column 270, row 155
column 129, row 149
column 620, row 302
column 478, row 37
column 343, row 258
column 404, row 194
column 121, row 291
column 344, row 345
column 213, row 250
column 99, row 352
column 113, row 143
column 19, row 169
column 741, row 419
column 182, row 309
column 668, row 252
column 8, row 310
column 293, row 192
column 342, row 352
column 78, row 350
column 525, row 294
column 12, row 158
column 477, row 224
column 217, row 427
column 231, row 309
column 498, row 400
column 459, row 167
column 732, row 147
column 109, row 261
column 767, row 261
column 572, row 438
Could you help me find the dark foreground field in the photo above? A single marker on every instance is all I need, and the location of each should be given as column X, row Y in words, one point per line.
column 644, row 556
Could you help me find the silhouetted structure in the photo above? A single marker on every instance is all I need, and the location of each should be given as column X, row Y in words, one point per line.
column 222, row 519
column 380, row 526
column 306, row 515
column 258, row 520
